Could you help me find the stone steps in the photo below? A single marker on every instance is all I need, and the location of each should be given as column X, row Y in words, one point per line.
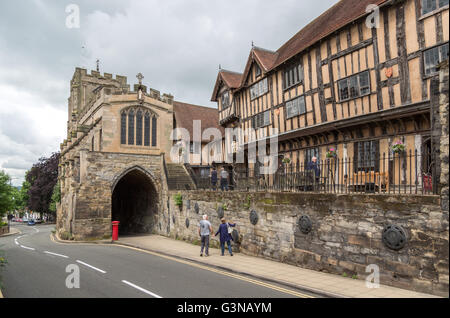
column 178, row 178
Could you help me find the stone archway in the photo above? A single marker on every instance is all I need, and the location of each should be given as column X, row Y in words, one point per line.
column 134, row 202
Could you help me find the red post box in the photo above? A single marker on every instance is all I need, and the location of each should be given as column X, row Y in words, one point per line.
column 115, row 230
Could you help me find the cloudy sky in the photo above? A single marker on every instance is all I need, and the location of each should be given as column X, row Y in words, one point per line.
column 177, row 45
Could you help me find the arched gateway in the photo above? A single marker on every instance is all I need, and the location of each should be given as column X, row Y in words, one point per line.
column 134, row 202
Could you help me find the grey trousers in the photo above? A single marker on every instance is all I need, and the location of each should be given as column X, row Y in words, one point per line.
column 205, row 244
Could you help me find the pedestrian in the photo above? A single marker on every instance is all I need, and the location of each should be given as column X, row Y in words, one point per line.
column 214, row 179
column 225, row 235
column 223, row 179
column 314, row 166
column 204, row 230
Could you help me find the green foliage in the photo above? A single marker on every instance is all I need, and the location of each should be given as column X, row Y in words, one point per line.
column 56, row 198
column 66, row 236
column 178, row 198
column 355, row 276
column 225, row 207
column 345, row 274
column 6, row 194
column 248, row 203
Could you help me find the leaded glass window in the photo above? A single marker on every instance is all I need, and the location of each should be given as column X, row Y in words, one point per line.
column 139, row 128
column 123, row 128
column 154, row 132
column 131, row 120
column 147, row 130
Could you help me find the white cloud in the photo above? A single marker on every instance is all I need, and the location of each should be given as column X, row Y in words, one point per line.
column 177, row 45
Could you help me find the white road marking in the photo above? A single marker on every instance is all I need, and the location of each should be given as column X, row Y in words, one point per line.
column 141, row 289
column 28, row 248
column 15, row 241
column 64, row 256
column 95, row 268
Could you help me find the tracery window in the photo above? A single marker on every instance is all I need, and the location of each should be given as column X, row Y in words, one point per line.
column 135, row 129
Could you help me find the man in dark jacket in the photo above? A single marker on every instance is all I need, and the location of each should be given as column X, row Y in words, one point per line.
column 214, row 178
column 314, row 166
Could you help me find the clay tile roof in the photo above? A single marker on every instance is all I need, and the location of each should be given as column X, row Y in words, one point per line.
column 232, row 79
column 185, row 114
column 266, row 58
column 339, row 15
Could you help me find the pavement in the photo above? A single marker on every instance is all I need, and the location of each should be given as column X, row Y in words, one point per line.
column 12, row 231
column 41, row 266
column 328, row 285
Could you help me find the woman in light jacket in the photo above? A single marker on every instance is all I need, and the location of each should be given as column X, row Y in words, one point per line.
column 225, row 237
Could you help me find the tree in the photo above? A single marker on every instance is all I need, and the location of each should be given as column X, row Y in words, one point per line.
column 56, row 198
column 6, row 199
column 24, row 197
column 42, row 179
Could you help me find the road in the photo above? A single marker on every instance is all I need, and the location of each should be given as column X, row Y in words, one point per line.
column 36, row 268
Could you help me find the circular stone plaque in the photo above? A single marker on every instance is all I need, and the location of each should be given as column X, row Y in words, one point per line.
column 235, row 236
column 220, row 212
column 196, row 208
column 254, row 217
column 305, row 224
column 394, row 237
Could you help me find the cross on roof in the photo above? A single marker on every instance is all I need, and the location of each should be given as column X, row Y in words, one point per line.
column 140, row 77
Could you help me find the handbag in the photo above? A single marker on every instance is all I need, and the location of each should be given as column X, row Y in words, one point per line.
column 230, row 229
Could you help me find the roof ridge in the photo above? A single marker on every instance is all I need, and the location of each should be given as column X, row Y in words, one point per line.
column 178, row 102
column 228, row 71
column 310, row 22
column 263, row 49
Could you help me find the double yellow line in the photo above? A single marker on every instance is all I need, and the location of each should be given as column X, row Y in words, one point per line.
column 221, row 272
column 236, row 276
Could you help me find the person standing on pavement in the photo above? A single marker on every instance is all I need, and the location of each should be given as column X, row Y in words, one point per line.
column 225, row 236
column 214, row 179
column 204, row 230
column 223, row 179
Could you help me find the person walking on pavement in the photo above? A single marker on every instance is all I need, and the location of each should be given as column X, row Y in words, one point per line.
column 214, row 179
column 204, row 230
column 225, row 235
column 223, row 179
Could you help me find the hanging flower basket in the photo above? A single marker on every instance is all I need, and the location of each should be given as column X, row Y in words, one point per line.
column 331, row 153
column 286, row 160
column 398, row 147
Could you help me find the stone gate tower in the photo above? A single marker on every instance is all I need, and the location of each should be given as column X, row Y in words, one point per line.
column 112, row 162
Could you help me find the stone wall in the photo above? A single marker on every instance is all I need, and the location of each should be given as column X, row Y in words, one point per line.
column 345, row 237
column 85, row 212
column 3, row 230
column 444, row 137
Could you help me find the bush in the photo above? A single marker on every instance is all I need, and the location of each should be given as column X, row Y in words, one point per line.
column 178, row 198
column 66, row 236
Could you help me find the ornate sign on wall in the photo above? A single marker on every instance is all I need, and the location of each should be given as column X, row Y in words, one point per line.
column 220, row 213
column 394, row 237
column 305, row 224
column 196, row 208
column 254, row 217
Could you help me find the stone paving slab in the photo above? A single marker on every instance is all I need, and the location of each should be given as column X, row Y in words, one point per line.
column 314, row 281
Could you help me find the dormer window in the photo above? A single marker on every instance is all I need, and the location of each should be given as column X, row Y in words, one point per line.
column 257, row 70
column 225, row 100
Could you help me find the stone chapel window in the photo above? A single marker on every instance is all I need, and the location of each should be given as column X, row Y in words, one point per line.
column 147, row 130
column 123, row 128
column 154, row 131
column 131, row 127
column 139, row 128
